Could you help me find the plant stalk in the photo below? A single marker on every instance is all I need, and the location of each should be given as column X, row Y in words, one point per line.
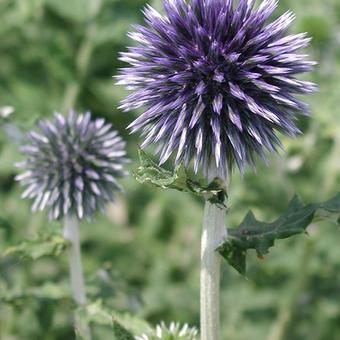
column 71, row 234
column 214, row 232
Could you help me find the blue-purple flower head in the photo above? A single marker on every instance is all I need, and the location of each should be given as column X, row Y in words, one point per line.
column 218, row 81
column 72, row 165
column 173, row 332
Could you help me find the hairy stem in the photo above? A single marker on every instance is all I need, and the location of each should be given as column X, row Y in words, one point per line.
column 71, row 234
column 214, row 231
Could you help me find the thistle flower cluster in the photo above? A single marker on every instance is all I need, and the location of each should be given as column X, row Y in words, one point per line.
column 217, row 80
column 72, row 165
column 173, row 332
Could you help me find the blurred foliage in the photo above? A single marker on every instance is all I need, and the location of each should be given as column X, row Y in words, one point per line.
column 49, row 245
column 121, row 333
column 142, row 257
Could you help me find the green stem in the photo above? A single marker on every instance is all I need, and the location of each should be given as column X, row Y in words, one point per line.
column 71, row 228
column 71, row 234
column 214, row 231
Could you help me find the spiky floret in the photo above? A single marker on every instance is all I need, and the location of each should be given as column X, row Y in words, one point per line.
column 217, row 80
column 174, row 332
column 72, row 165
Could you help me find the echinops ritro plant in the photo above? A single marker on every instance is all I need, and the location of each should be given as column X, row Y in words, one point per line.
column 172, row 332
column 72, row 165
column 217, row 82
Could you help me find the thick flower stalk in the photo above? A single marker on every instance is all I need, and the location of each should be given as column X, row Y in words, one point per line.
column 71, row 169
column 218, row 83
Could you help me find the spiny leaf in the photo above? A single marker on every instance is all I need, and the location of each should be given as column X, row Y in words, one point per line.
column 149, row 172
column 48, row 291
column 98, row 314
column 50, row 245
column 120, row 333
column 261, row 236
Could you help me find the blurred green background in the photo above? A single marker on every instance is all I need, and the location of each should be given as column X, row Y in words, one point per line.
column 142, row 257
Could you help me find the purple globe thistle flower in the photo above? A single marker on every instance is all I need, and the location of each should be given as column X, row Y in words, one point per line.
column 217, row 80
column 72, row 165
column 173, row 331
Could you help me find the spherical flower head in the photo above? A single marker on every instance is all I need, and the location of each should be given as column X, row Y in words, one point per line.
column 174, row 332
column 72, row 165
column 218, row 81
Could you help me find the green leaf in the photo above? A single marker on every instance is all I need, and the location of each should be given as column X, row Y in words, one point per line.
column 48, row 291
column 4, row 224
column 261, row 236
column 51, row 245
column 149, row 172
column 99, row 314
column 120, row 333
column 79, row 335
column 74, row 10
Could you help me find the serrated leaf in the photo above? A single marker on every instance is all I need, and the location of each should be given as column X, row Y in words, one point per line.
column 48, row 291
column 96, row 313
column 149, row 172
column 99, row 314
column 261, row 236
column 51, row 245
column 120, row 333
